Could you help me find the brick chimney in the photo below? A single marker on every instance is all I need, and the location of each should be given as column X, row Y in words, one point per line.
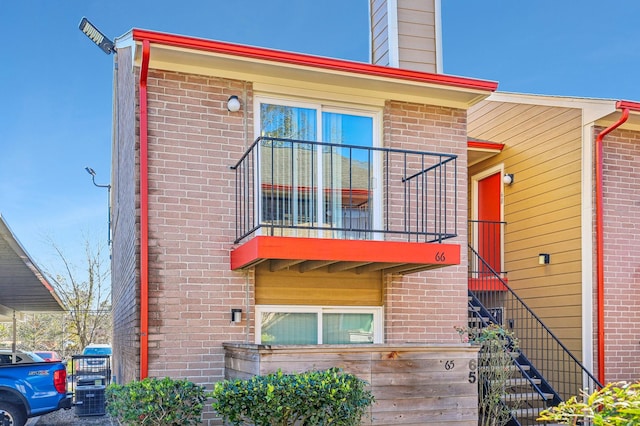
column 406, row 34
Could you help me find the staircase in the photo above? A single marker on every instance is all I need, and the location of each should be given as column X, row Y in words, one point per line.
column 526, row 392
column 543, row 372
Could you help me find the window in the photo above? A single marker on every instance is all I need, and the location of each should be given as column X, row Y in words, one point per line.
column 300, row 325
column 308, row 185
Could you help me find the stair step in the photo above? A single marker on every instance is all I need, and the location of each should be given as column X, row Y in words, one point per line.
column 511, row 368
column 521, row 381
column 526, row 396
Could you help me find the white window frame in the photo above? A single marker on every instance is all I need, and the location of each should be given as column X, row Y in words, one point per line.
column 375, row 113
column 377, row 311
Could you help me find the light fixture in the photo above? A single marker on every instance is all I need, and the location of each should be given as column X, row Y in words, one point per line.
column 507, row 178
column 236, row 315
column 93, row 179
column 96, row 36
column 544, row 259
column 233, row 103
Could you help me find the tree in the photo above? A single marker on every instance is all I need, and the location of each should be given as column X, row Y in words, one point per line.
column 86, row 293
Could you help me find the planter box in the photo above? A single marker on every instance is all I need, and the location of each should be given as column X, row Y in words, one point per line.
column 414, row 384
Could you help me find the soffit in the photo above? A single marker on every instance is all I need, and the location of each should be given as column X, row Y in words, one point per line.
column 632, row 123
column 172, row 58
column 22, row 286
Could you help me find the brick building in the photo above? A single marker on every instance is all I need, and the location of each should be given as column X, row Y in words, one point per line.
column 277, row 206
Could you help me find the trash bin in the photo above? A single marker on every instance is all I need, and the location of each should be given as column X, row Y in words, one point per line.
column 90, row 396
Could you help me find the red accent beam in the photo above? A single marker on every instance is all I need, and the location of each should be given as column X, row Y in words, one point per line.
column 485, row 145
column 311, row 61
column 291, row 248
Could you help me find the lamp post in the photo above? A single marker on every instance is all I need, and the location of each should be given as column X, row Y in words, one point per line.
column 93, row 179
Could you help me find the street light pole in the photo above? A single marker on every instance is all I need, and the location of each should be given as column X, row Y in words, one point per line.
column 93, row 179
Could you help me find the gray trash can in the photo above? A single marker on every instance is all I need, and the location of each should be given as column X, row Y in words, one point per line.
column 90, row 399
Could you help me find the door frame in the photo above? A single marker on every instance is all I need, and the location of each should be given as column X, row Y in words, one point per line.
column 499, row 168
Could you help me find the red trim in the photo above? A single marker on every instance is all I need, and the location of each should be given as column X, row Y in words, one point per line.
column 291, row 248
column 487, row 284
column 485, row 145
column 311, row 61
column 600, row 235
column 144, row 214
column 633, row 106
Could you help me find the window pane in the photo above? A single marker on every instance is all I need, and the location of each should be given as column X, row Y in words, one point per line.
column 289, row 328
column 347, row 328
column 288, row 170
column 348, row 173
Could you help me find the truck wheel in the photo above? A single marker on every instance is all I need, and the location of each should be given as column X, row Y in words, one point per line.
column 10, row 415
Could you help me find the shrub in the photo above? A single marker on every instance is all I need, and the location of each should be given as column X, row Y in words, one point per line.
column 312, row 398
column 155, row 401
column 617, row 404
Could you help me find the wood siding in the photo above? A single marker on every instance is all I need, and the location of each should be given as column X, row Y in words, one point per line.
column 412, row 384
column 542, row 207
column 415, row 34
column 318, row 287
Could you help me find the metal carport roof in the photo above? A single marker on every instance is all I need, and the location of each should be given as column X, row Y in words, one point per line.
column 23, row 287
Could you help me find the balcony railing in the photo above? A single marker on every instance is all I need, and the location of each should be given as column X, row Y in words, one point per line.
column 288, row 187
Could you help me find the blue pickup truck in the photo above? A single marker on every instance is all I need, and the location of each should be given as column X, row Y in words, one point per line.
column 30, row 389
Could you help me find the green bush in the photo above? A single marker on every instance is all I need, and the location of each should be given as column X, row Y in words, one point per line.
column 617, row 404
column 155, row 401
column 312, row 398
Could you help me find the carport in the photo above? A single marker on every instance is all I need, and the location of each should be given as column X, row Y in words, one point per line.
column 23, row 287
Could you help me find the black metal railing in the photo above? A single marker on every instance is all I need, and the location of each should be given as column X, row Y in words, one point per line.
column 288, row 187
column 546, row 356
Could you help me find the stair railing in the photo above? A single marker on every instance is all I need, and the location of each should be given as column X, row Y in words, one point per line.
column 551, row 358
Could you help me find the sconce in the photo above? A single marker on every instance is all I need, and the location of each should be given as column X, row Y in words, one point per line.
column 544, row 259
column 233, row 104
column 236, row 315
column 507, row 178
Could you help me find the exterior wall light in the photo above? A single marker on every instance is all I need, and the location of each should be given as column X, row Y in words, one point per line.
column 96, row 36
column 233, row 104
column 236, row 315
column 507, row 178
column 544, row 259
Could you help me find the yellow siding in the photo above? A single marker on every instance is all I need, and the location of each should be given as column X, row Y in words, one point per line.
column 318, row 287
column 542, row 207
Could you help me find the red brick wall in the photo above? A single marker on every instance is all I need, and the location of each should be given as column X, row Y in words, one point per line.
column 622, row 255
column 124, row 275
column 425, row 307
column 193, row 141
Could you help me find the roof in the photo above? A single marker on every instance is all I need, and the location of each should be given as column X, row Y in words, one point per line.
column 257, row 64
column 23, row 286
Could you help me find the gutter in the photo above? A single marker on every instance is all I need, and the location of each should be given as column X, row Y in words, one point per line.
column 599, row 154
column 144, row 214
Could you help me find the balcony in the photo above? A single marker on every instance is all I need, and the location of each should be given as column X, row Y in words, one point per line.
column 313, row 205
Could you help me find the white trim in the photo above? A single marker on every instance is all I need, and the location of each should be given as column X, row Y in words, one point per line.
column 587, row 246
column 393, row 43
column 438, row 34
column 376, row 311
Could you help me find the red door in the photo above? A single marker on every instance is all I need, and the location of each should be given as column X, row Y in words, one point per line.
column 489, row 238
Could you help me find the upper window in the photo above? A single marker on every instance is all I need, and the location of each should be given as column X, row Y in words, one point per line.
column 328, row 185
column 295, row 325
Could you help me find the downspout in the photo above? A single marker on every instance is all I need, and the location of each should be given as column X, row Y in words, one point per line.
column 600, row 237
column 144, row 214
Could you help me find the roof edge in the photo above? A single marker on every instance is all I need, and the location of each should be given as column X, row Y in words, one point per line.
column 311, row 60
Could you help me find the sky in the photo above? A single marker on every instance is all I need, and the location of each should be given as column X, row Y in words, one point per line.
column 56, row 86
